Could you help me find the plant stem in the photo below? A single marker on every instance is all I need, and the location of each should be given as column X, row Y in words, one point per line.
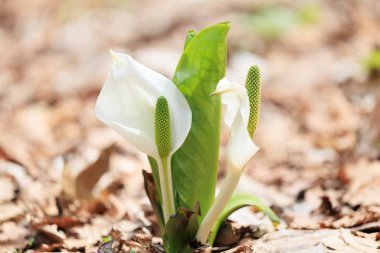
column 165, row 174
column 225, row 193
column 168, row 176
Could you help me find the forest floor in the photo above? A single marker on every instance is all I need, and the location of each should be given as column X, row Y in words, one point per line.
column 68, row 183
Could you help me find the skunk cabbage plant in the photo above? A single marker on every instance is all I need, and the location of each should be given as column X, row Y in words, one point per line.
column 177, row 125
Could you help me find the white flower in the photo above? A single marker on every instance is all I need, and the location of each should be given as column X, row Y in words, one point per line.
column 127, row 103
column 240, row 147
column 150, row 112
column 241, row 116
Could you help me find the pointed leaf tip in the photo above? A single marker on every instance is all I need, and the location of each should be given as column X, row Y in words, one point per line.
column 162, row 127
column 253, row 89
column 189, row 37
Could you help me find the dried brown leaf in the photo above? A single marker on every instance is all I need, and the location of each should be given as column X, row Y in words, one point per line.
column 10, row 211
column 319, row 241
column 9, row 188
column 229, row 234
column 52, row 232
column 81, row 186
column 364, row 188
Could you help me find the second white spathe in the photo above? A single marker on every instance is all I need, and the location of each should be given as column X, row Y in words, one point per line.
column 240, row 147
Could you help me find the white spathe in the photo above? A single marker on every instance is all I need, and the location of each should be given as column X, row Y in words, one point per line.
column 127, row 103
column 240, row 147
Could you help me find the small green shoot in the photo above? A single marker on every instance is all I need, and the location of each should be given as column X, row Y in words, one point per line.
column 31, row 242
column 107, row 238
column 372, row 62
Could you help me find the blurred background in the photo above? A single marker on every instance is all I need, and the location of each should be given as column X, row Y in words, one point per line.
column 319, row 132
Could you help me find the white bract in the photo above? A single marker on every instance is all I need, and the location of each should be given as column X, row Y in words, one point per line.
column 240, row 145
column 127, row 104
column 240, row 148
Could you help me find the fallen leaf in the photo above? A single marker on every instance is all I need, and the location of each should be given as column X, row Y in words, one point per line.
column 244, row 246
column 229, row 234
column 364, row 188
column 63, row 222
column 13, row 234
column 52, row 232
column 358, row 218
column 306, row 241
column 10, row 211
column 81, row 186
column 9, row 188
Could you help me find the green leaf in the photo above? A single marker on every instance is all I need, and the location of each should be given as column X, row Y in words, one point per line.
column 154, row 198
column 237, row 201
column 199, row 70
column 372, row 63
column 181, row 229
column 107, row 238
column 31, row 242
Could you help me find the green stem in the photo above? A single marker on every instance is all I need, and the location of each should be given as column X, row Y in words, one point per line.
column 165, row 174
column 225, row 193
